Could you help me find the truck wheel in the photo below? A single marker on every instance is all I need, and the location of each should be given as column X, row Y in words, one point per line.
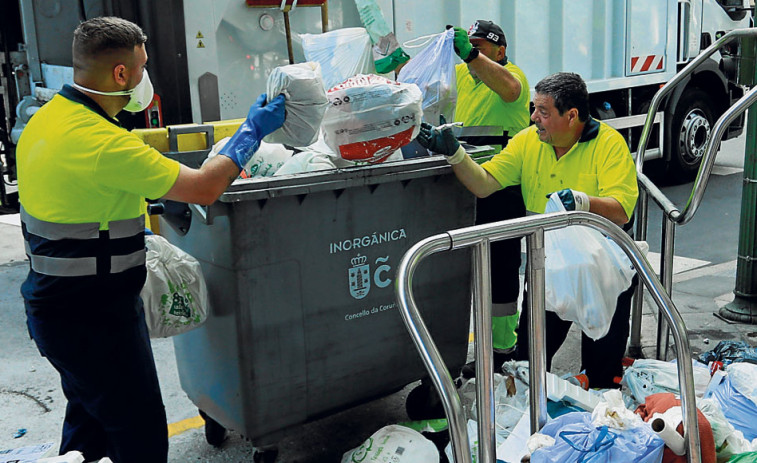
column 215, row 434
column 690, row 132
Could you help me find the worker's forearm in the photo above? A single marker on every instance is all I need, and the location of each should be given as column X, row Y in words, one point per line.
column 475, row 178
column 608, row 208
column 206, row 184
column 496, row 77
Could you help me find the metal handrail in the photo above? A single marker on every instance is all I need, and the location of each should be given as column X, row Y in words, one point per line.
column 533, row 228
column 672, row 215
column 705, row 169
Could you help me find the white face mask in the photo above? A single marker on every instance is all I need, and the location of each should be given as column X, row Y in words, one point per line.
column 140, row 96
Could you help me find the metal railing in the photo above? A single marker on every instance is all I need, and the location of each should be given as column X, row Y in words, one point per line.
column 479, row 238
column 672, row 215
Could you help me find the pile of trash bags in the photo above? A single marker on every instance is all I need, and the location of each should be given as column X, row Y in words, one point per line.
column 343, row 112
column 641, row 422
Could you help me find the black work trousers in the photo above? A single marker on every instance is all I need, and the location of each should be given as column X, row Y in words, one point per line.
column 108, row 376
column 504, row 204
column 602, row 359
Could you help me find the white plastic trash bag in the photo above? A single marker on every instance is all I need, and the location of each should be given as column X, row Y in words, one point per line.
column 433, row 71
column 744, row 379
column 370, row 117
column 306, row 161
column 342, row 53
column 585, row 272
column 394, row 444
column 649, row 376
column 175, row 296
column 306, row 101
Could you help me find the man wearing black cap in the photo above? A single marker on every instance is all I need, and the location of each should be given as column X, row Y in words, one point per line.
column 494, row 92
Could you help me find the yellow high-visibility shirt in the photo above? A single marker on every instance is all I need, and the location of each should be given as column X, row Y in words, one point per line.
column 599, row 164
column 77, row 165
column 479, row 105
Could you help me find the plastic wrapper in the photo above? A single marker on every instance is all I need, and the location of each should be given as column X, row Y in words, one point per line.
column 342, row 53
column 577, row 439
column 585, row 273
column 302, row 85
column 394, row 444
column 433, row 71
column 648, row 376
column 472, row 428
column 370, row 117
column 612, row 412
column 729, row 352
column 510, row 402
column 175, row 295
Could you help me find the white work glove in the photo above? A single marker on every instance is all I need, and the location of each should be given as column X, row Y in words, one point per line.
column 573, row 200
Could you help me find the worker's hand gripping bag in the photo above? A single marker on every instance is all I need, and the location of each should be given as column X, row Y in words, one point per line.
column 370, row 117
column 302, row 85
column 585, row 272
column 175, row 296
column 433, row 71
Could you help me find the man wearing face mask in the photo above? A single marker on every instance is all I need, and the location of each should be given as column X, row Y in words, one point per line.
column 491, row 91
column 82, row 183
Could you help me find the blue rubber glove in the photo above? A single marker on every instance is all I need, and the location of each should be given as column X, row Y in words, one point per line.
column 573, row 200
column 261, row 120
column 439, row 141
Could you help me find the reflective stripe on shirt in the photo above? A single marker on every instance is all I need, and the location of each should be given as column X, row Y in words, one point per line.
column 55, row 254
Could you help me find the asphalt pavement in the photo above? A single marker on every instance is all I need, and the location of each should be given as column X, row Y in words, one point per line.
column 704, row 277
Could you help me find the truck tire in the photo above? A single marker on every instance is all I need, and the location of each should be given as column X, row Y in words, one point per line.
column 689, row 133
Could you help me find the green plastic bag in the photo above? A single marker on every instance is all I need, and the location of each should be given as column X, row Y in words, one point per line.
column 750, row 457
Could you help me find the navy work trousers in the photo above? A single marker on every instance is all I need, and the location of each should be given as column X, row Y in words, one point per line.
column 602, row 359
column 108, row 376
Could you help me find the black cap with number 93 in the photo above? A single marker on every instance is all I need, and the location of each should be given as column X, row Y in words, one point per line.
column 483, row 29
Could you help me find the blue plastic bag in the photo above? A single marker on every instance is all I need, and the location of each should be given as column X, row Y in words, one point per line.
column 738, row 409
column 433, row 71
column 578, row 440
column 729, row 352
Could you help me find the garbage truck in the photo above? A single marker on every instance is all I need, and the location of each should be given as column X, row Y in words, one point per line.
column 209, row 59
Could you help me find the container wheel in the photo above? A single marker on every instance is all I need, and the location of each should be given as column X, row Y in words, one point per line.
column 265, row 455
column 690, row 132
column 215, row 434
column 424, row 403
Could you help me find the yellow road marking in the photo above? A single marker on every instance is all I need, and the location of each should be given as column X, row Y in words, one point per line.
column 185, row 425
column 470, row 337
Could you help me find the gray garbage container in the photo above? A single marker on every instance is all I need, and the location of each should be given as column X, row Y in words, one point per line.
column 300, row 272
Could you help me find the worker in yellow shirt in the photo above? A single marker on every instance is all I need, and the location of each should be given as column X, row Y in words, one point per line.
column 590, row 167
column 492, row 91
column 82, row 182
